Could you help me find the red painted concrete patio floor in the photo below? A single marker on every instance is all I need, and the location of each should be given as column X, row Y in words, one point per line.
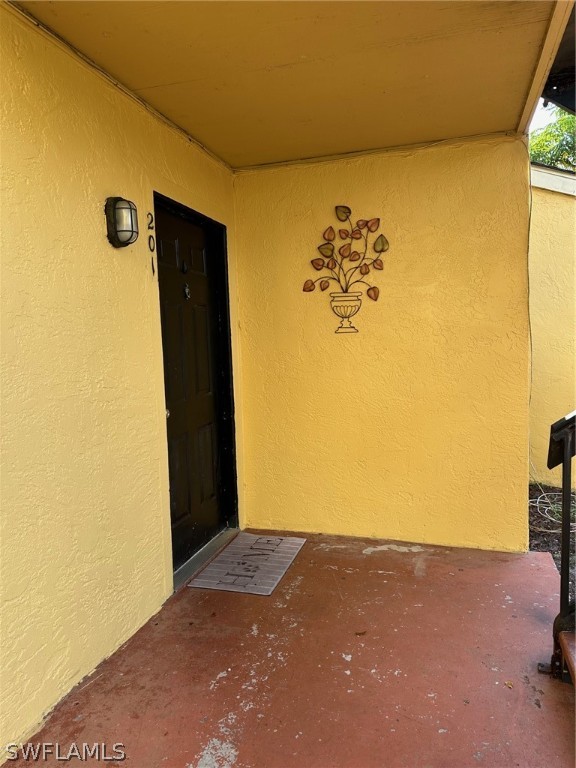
column 367, row 655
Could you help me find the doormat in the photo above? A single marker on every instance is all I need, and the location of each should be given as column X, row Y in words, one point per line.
column 251, row 564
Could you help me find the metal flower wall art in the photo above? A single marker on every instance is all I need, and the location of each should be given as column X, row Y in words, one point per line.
column 348, row 258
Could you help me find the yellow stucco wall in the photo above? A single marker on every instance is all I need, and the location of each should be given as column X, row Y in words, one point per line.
column 85, row 536
column 553, row 320
column 416, row 427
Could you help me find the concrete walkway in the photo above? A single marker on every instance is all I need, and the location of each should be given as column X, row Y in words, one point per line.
column 369, row 654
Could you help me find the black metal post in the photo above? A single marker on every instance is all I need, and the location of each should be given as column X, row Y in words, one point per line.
column 565, row 541
column 560, row 451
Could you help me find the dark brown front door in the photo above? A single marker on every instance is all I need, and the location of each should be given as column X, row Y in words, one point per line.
column 197, row 376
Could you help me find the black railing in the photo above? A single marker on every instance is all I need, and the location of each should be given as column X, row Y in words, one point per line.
column 561, row 450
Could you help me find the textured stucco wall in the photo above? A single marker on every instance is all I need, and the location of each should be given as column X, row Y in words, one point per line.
column 553, row 318
column 85, row 538
column 416, row 427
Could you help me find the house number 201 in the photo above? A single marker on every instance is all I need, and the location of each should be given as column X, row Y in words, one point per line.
column 151, row 240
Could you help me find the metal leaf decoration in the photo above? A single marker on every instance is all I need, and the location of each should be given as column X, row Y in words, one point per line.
column 326, row 249
column 381, row 244
column 343, row 212
column 373, row 293
column 329, row 234
column 346, row 268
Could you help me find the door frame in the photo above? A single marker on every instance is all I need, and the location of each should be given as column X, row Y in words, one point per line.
column 227, row 479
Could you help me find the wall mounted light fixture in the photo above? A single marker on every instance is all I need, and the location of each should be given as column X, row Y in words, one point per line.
column 121, row 221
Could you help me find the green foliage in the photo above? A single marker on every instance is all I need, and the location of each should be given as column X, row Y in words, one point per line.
column 555, row 145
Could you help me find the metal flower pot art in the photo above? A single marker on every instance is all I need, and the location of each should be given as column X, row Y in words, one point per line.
column 345, row 306
column 347, row 258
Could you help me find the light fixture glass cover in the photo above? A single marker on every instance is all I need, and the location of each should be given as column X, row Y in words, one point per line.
column 121, row 221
